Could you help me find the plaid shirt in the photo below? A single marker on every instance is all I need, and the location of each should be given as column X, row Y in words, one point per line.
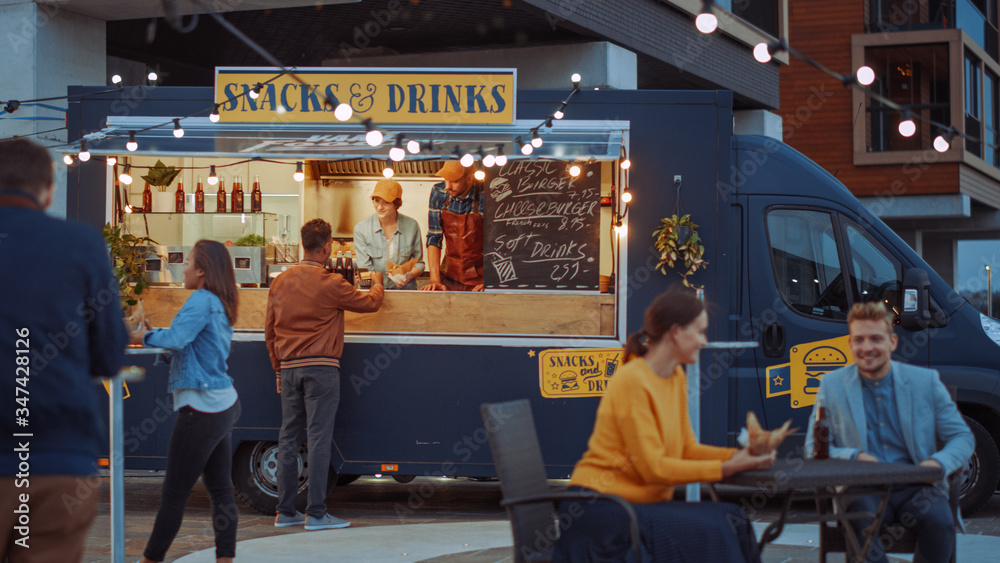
column 458, row 205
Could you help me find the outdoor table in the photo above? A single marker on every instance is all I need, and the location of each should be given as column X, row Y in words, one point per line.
column 836, row 479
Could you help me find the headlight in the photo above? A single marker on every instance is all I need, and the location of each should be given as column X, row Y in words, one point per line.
column 991, row 327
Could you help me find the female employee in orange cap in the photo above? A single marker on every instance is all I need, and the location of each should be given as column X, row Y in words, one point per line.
column 388, row 241
column 455, row 217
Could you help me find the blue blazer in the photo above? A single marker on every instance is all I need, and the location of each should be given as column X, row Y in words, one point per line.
column 926, row 414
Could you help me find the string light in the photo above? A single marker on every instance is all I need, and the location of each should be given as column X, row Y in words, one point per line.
column 489, row 160
column 112, row 161
column 626, row 196
column 131, row 145
column 575, row 79
column 625, row 164
column 68, row 159
column 178, row 130
column 536, row 141
column 706, row 22
column 152, row 77
column 255, row 91
column 620, row 229
column 479, row 174
column 388, row 172
column 413, row 147
column 11, row 106
column 943, row 141
column 299, row 175
column 526, row 148
column 343, row 112
column 574, row 170
column 467, row 159
column 116, row 79
column 212, row 178
column 372, row 135
column 865, row 75
column 214, row 116
column 558, row 114
column 125, row 177
column 84, row 155
column 906, row 125
column 501, row 158
column 397, row 153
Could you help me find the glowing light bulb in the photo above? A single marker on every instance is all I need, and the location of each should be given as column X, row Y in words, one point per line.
column 372, row 136
column 84, row 155
column 397, row 154
column 865, row 75
column 501, row 160
column 479, row 174
column 388, row 172
column 489, row 160
column 575, row 79
column 626, row 196
column 254, row 92
column 214, row 116
column 413, row 147
column 152, row 76
column 343, row 112
column 706, row 22
column 941, row 144
column 178, row 130
column 536, row 141
column 626, row 164
column 762, row 53
column 125, row 177
column 112, row 161
column 116, row 79
column 574, row 170
column 131, row 145
column 68, row 159
column 298, row 176
column 558, row 114
column 907, row 127
column 526, row 149
column 467, row 160
column 621, row 229
column 212, row 178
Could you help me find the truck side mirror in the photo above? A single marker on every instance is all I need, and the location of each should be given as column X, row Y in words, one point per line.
column 915, row 313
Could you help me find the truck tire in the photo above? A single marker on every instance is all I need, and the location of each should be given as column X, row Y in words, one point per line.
column 255, row 472
column 981, row 472
column 403, row 478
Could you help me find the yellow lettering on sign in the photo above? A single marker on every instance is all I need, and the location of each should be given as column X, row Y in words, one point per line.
column 800, row 377
column 437, row 96
column 577, row 372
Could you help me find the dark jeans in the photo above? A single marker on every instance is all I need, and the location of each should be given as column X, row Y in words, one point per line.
column 921, row 508
column 309, row 399
column 199, row 445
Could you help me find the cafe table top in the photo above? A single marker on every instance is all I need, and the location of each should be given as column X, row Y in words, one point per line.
column 798, row 473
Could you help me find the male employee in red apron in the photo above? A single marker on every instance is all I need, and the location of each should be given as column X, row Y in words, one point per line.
column 455, row 216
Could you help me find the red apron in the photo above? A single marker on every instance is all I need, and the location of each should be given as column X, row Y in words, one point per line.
column 463, row 234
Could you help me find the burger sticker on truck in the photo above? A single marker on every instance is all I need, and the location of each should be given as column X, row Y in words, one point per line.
column 808, row 361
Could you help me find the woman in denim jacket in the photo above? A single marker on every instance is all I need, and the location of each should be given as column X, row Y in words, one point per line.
column 203, row 394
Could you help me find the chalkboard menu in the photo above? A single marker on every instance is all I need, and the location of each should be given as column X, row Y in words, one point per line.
column 542, row 227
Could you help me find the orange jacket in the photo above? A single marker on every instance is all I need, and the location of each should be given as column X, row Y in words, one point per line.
column 305, row 315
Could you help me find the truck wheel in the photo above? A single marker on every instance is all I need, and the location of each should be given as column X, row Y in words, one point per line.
column 255, row 476
column 403, row 478
column 981, row 472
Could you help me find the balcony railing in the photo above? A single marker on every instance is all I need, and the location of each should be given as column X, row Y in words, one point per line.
column 886, row 16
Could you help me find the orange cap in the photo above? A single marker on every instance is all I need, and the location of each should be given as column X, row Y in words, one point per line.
column 388, row 190
column 453, row 171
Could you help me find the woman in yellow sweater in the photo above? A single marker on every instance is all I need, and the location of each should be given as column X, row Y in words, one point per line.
column 643, row 446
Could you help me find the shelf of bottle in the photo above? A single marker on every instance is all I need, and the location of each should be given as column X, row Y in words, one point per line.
column 221, row 213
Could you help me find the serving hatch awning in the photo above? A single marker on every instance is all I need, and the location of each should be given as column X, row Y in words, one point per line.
column 567, row 140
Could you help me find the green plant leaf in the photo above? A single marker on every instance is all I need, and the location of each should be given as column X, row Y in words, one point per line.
column 161, row 175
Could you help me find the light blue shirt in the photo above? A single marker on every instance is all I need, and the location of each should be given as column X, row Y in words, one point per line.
column 199, row 336
column 372, row 249
column 885, row 434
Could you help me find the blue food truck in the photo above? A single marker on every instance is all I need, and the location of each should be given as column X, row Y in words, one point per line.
column 788, row 251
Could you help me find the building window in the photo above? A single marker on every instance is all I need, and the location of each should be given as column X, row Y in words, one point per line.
column 915, row 76
column 972, row 281
column 973, row 125
column 978, row 18
column 762, row 14
column 990, row 124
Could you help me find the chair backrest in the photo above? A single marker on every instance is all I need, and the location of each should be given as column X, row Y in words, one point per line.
column 518, row 458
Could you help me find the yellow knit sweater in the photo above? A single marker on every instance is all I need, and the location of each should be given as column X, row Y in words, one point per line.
column 643, row 444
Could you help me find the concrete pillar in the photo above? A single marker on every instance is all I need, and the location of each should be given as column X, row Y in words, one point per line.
column 47, row 48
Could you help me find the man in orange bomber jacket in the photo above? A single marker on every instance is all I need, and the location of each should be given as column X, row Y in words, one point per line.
column 304, row 330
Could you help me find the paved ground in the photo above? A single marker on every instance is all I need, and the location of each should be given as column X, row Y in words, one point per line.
column 465, row 522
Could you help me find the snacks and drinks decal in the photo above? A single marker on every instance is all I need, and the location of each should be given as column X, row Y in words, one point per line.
column 577, row 372
column 800, row 377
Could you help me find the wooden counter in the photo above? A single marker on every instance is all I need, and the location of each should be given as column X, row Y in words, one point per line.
column 433, row 311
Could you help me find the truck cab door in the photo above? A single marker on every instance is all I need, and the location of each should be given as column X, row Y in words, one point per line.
column 808, row 266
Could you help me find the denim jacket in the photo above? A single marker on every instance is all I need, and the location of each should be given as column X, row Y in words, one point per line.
column 200, row 336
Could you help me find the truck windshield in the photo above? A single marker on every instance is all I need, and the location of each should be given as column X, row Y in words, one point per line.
column 874, row 273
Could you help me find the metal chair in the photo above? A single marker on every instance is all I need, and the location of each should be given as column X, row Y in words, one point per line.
column 526, row 494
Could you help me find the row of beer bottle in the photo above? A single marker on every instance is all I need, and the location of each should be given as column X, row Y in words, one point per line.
column 235, row 198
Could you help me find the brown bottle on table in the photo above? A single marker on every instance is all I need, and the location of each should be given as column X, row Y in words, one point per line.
column 199, row 198
column 821, row 433
column 147, row 199
column 255, row 196
column 220, row 198
column 237, row 196
column 179, row 197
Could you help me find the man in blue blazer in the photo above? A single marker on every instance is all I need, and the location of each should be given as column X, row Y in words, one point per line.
column 885, row 411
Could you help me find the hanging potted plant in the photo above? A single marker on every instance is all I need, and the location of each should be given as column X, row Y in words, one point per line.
column 128, row 255
column 678, row 243
column 160, row 177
